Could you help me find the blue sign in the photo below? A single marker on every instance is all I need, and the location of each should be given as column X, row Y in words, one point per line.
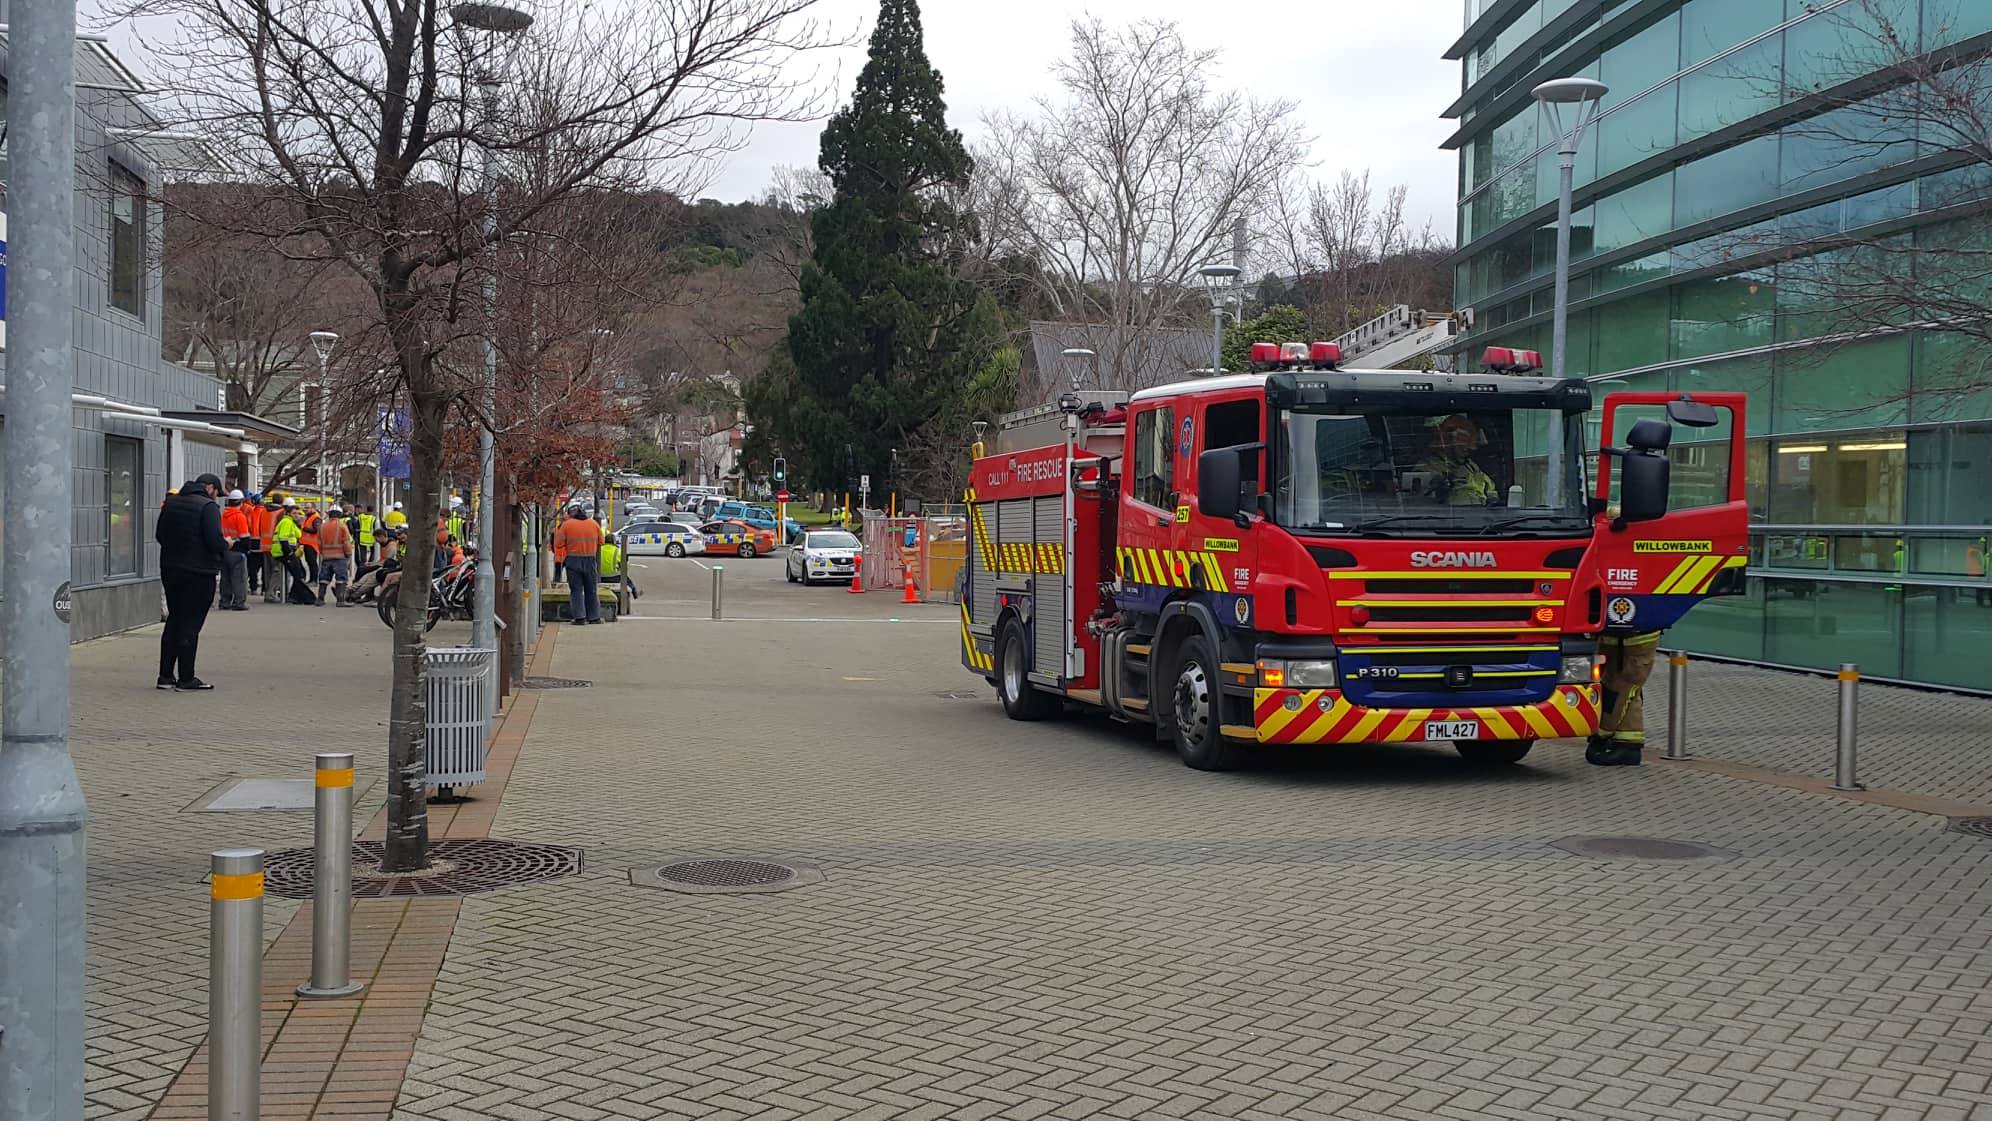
column 392, row 428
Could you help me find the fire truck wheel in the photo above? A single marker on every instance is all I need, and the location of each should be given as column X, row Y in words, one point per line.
column 1020, row 700
column 1193, row 717
column 1490, row 753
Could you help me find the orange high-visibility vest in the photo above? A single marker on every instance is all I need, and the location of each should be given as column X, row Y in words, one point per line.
column 309, row 525
column 334, row 539
column 266, row 527
column 578, row 537
column 234, row 523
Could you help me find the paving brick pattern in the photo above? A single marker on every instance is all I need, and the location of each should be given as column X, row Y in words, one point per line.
column 1915, row 740
column 1058, row 920
column 290, row 682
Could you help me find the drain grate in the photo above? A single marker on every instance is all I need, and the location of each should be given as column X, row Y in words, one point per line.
column 1972, row 826
column 1641, row 848
column 724, row 876
column 555, row 683
column 463, row 867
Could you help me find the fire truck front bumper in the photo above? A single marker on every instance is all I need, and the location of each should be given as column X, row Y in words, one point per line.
column 1324, row 716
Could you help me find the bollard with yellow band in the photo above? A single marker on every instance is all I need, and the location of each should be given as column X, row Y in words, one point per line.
column 332, row 881
column 235, row 984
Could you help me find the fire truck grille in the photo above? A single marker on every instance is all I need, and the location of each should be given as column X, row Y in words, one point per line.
column 1449, row 614
column 1449, row 587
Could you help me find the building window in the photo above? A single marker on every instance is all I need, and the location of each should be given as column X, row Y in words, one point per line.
column 128, row 241
column 124, row 469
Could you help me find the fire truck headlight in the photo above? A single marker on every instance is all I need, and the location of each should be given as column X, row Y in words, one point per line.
column 1577, row 669
column 1311, row 674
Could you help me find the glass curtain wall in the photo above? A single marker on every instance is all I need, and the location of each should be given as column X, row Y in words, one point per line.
column 1701, row 195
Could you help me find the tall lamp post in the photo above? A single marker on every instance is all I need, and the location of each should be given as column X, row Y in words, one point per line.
column 1218, row 281
column 323, row 342
column 488, row 26
column 41, row 803
column 1581, row 97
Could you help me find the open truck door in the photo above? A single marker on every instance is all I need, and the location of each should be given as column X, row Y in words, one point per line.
column 1672, row 524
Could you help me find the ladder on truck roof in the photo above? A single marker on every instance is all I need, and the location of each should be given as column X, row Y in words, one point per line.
column 1396, row 337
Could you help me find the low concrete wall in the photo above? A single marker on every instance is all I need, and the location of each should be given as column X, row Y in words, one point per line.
column 110, row 608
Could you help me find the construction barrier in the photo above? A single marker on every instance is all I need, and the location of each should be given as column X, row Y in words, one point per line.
column 934, row 555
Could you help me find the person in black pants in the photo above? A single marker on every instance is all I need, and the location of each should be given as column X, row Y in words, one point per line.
column 191, row 554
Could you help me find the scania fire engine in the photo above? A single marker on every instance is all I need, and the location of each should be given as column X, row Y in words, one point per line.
column 1305, row 554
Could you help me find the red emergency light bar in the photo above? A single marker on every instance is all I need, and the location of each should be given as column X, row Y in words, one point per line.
column 1508, row 360
column 1324, row 355
column 1267, row 354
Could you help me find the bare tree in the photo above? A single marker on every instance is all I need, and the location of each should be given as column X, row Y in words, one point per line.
column 1121, row 190
column 363, row 118
column 1880, row 95
column 1352, row 254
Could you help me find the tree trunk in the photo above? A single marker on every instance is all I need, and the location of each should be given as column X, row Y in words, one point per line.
column 408, row 725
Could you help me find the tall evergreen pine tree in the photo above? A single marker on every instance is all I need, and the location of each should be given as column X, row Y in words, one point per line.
column 889, row 337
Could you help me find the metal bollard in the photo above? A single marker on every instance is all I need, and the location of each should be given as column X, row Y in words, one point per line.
column 332, row 881
column 235, row 985
column 1845, row 776
column 1677, row 705
column 718, row 571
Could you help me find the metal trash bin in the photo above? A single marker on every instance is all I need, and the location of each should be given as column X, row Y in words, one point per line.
column 459, row 682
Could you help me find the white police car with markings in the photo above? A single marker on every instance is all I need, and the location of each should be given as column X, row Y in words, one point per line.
column 662, row 539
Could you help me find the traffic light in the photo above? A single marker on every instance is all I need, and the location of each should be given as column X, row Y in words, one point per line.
column 781, row 469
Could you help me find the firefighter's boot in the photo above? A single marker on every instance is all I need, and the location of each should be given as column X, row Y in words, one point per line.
column 1595, row 750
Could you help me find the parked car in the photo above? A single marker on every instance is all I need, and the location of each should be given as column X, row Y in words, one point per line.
column 737, row 538
column 760, row 517
column 823, row 554
column 669, row 539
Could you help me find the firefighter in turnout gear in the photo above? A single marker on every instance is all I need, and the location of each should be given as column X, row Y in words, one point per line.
column 1622, row 724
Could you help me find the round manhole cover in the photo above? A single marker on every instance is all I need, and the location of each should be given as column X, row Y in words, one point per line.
column 1973, row 826
column 462, row 867
column 721, row 876
column 726, row 873
column 555, row 683
column 1641, row 848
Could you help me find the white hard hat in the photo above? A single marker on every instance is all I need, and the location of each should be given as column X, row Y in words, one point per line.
column 335, row 508
column 235, row 495
column 289, row 500
column 397, row 505
column 456, row 500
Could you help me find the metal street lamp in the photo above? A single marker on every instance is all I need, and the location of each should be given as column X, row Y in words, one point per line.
column 323, row 343
column 492, row 27
column 1219, row 280
column 1582, row 97
column 1075, row 355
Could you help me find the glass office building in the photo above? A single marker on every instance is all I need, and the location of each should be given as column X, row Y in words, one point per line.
column 1723, row 179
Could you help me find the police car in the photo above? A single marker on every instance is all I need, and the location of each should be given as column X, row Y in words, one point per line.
column 667, row 539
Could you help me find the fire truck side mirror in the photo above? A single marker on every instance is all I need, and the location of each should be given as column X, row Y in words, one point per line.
column 1642, row 486
column 1218, row 477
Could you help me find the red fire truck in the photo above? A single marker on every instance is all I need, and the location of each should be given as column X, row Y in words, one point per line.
column 1306, row 554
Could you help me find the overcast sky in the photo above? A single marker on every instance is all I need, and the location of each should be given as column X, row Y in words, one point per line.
column 1367, row 76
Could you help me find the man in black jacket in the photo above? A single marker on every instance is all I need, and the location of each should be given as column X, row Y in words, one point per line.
column 191, row 553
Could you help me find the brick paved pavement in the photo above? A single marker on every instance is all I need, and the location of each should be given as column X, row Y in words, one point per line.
column 1915, row 740
column 1058, row 920
column 289, row 682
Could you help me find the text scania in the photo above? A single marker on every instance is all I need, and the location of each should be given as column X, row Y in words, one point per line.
column 1449, row 559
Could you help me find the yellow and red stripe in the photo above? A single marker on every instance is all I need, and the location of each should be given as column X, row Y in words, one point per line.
column 1325, row 716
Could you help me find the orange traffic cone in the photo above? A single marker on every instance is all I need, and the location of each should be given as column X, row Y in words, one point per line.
column 912, row 593
column 858, row 576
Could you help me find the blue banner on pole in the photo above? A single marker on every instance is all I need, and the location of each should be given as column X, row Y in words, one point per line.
column 392, row 428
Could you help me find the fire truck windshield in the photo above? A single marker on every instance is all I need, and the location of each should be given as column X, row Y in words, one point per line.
column 1407, row 472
